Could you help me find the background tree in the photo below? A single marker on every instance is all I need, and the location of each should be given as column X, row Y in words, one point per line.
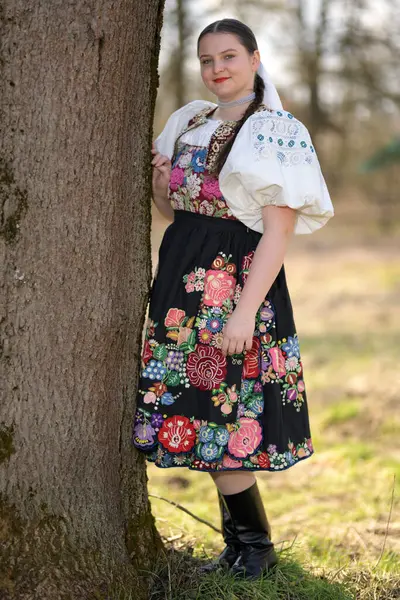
column 78, row 92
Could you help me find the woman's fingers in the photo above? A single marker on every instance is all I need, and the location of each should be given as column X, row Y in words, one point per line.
column 163, row 170
column 160, row 160
column 248, row 344
column 232, row 346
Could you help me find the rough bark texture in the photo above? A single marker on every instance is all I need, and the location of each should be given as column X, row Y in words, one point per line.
column 78, row 89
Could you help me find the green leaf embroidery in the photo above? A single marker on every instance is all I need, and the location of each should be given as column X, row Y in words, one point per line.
column 160, row 353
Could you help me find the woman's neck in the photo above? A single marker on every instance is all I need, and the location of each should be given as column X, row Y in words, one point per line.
column 230, row 114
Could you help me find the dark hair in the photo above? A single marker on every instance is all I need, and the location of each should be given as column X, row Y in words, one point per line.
column 248, row 40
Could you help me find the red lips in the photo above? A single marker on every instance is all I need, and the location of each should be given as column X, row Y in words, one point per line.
column 220, row 79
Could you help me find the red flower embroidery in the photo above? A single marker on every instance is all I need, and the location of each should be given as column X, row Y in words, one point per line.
column 263, row 460
column 218, row 286
column 174, row 317
column 251, row 365
column 147, row 352
column 177, row 434
column 206, row 367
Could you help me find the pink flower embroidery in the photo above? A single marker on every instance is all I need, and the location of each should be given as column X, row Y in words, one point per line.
column 247, row 260
column 278, row 361
column 183, row 335
column 210, row 188
column 246, row 439
column 174, row 317
column 206, row 367
column 149, row 398
column 218, row 286
column 246, row 263
column 229, row 463
column 177, row 178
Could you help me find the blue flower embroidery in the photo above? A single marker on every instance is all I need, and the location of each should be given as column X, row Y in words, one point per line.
column 214, row 324
column 221, row 436
column 167, row 460
column 260, row 137
column 303, row 144
column 199, row 160
column 167, row 399
column 289, row 458
column 290, row 116
column 206, row 434
column 291, row 347
column 209, row 451
column 154, row 370
column 291, row 144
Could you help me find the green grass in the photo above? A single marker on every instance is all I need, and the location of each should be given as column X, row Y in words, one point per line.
column 178, row 579
column 342, row 412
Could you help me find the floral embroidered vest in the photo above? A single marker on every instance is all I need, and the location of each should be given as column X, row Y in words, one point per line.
column 193, row 185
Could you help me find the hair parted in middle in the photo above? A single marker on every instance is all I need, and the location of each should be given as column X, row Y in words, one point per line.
column 248, row 40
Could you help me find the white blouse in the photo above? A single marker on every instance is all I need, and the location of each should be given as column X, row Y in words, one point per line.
column 272, row 162
column 200, row 135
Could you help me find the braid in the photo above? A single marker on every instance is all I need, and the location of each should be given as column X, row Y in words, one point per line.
column 259, row 87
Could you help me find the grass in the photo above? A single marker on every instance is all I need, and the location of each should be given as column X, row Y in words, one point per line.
column 337, row 511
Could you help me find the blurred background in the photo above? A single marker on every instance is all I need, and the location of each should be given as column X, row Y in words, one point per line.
column 336, row 66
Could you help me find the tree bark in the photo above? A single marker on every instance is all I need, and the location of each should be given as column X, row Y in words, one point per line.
column 79, row 84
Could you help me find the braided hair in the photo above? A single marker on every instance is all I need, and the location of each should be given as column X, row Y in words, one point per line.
column 248, row 40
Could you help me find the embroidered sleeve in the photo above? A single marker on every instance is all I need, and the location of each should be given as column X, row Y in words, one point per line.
column 285, row 138
column 273, row 162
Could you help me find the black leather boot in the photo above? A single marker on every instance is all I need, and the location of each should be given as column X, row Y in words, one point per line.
column 230, row 553
column 257, row 554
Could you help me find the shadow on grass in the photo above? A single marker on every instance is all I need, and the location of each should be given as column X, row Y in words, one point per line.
column 177, row 577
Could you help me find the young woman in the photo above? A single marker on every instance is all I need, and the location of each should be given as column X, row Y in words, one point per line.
column 221, row 387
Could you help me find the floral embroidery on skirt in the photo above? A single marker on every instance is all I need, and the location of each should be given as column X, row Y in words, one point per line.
column 196, row 407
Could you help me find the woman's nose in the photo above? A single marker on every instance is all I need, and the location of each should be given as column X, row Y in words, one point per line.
column 218, row 66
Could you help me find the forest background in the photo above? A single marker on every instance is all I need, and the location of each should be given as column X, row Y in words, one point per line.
column 335, row 64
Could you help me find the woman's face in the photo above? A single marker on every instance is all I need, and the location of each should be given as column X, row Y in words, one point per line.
column 227, row 68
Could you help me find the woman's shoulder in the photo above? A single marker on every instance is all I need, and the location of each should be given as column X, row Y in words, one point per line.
column 192, row 108
column 271, row 136
column 177, row 122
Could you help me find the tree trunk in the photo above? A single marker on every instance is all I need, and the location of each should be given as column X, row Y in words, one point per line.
column 79, row 84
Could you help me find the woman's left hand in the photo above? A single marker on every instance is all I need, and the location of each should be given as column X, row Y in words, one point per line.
column 238, row 333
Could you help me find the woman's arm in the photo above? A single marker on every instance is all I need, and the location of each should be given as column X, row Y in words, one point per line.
column 268, row 258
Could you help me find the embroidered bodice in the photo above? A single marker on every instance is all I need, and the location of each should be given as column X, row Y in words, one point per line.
column 194, row 186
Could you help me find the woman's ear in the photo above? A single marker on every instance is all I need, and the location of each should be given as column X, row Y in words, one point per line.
column 256, row 60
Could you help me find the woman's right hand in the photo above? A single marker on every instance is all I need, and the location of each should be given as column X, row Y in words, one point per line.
column 161, row 173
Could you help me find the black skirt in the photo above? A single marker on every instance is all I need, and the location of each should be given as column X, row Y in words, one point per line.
column 197, row 408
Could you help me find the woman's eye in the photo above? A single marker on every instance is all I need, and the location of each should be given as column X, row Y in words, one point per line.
column 229, row 56
column 205, row 61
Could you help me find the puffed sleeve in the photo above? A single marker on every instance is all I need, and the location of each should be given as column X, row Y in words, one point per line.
column 165, row 142
column 273, row 162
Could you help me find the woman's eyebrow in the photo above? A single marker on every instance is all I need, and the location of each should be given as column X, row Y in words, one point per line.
column 223, row 52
